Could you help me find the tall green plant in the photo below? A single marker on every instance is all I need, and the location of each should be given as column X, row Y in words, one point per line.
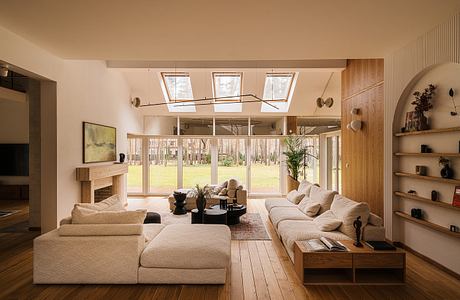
column 295, row 154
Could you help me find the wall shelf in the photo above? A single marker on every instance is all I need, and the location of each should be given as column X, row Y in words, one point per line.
column 429, row 178
column 428, row 224
column 427, row 154
column 440, row 130
column 427, row 201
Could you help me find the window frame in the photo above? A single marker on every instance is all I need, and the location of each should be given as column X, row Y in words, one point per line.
column 280, row 74
column 226, row 74
column 176, row 74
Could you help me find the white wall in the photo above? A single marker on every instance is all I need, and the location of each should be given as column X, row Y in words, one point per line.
column 404, row 71
column 14, row 129
column 86, row 91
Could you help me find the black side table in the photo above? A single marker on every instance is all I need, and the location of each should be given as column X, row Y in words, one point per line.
column 215, row 216
column 180, row 203
column 197, row 216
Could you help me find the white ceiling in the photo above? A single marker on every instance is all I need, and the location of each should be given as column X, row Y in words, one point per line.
column 222, row 30
column 145, row 84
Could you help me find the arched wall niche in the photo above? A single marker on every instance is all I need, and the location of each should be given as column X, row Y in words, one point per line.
column 435, row 245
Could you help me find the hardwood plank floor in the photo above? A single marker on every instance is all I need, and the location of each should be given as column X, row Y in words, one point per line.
column 259, row 270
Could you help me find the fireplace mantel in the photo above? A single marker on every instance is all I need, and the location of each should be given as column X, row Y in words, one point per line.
column 99, row 176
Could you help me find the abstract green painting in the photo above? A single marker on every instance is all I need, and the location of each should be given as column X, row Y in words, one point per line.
column 99, row 143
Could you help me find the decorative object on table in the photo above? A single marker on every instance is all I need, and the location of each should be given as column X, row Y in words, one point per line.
column 180, row 196
column 446, row 171
column 357, row 225
column 455, row 111
column 453, row 228
column 403, row 129
column 223, row 203
column 422, row 104
column 423, row 148
column 122, row 157
column 411, row 192
column 380, row 245
column 456, row 198
column 99, row 143
column 421, row 170
column 201, row 194
column 416, row 213
column 434, row 195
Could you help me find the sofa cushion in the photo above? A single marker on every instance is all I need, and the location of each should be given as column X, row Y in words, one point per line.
column 152, row 230
column 296, row 230
column 189, row 246
column 305, row 187
column 87, row 216
column 100, row 229
column 310, row 209
column 375, row 220
column 113, row 203
column 278, row 214
column 323, row 197
column 347, row 211
column 277, row 202
column 295, row 196
column 327, row 221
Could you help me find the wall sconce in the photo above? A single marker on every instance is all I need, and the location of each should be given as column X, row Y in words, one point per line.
column 136, row 102
column 355, row 125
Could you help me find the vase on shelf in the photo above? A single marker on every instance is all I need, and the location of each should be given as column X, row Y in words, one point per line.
column 422, row 121
column 447, row 172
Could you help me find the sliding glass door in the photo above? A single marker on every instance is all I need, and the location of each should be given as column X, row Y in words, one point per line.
column 163, row 154
column 231, row 160
column 196, row 161
column 265, row 165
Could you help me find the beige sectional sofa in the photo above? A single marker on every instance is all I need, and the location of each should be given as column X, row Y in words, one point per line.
column 230, row 190
column 292, row 223
column 132, row 253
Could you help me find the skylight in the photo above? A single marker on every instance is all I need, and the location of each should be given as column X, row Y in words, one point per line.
column 278, row 86
column 178, row 86
column 227, row 85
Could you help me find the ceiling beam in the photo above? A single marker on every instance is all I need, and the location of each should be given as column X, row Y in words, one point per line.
column 329, row 64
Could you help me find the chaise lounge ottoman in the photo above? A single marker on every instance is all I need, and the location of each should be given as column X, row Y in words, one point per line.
column 187, row 254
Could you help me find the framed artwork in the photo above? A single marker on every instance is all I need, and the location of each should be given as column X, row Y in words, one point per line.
column 99, row 143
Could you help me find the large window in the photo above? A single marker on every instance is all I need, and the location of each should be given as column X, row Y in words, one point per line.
column 227, row 85
column 232, row 159
column 278, row 86
column 134, row 159
column 265, row 165
column 334, row 171
column 196, row 161
column 162, row 165
column 310, row 170
column 178, row 86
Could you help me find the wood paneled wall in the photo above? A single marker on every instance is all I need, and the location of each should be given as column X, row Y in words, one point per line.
column 362, row 151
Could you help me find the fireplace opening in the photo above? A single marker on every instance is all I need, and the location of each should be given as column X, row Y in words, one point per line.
column 102, row 193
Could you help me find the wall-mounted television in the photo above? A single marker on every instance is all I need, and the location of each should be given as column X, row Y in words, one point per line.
column 14, row 159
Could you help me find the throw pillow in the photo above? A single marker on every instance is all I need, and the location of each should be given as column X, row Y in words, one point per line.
column 232, row 184
column 347, row 211
column 223, row 192
column 295, row 196
column 231, row 193
column 311, row 209
column 323, row 197
column 305, row 187
column 327, row 221
column 82, row 215
column 113, row 203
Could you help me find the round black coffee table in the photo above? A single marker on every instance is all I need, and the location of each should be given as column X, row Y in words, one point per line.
column 180, row 196
column 215, row 216
column 233, row 214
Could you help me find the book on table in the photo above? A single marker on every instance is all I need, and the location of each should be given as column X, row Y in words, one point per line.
column 380, row 245
column 326, row 244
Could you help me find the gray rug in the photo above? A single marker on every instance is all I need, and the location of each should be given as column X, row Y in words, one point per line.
column 251, row 226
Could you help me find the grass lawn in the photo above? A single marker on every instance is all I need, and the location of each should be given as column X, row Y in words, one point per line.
column 164, row 179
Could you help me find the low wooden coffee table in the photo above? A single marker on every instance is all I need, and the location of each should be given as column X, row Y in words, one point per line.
column 359, row 266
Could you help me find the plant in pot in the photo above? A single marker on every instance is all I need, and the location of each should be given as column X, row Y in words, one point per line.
column 201, row 194
column 295, row 155
column 423, row 103
column 446, row 171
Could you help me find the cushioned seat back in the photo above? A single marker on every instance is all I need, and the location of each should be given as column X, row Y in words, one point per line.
column 347, row 211
column 305, row 187
column 322, row 196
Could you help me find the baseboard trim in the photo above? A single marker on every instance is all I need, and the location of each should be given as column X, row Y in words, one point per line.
column 427, row 259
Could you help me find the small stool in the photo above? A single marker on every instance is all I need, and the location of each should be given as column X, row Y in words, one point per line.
column 152, row 217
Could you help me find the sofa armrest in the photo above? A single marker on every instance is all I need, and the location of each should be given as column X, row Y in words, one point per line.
column 242, row 197
column 100, row 229
column 373, row 233
column 86, row 259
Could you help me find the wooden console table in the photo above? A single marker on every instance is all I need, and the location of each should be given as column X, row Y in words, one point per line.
column 359, row 266
column 99, row 176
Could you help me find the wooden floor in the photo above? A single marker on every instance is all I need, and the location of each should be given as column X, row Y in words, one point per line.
column 260, row 270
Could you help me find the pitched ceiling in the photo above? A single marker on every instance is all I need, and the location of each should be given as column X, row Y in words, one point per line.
column 222, row 30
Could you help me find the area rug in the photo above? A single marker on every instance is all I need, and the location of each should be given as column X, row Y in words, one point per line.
column 251, row 226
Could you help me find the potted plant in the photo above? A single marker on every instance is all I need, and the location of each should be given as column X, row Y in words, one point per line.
column 295, row 154
column 446, row 171
column 201, row 194
column 422, row 103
